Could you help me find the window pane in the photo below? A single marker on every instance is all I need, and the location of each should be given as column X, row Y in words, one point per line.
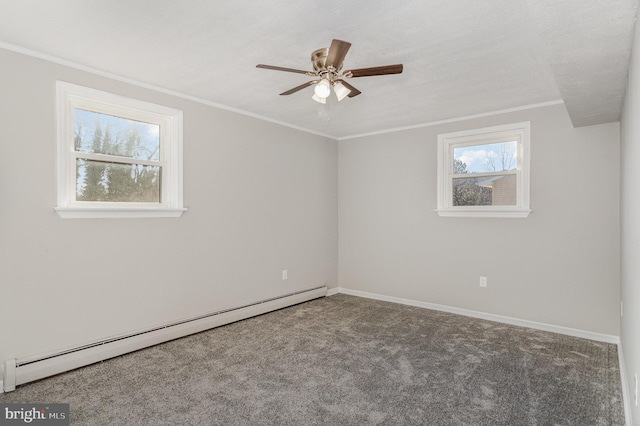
column 493, row 157
column 485, row 191
column 115, row 182
column 107, row 134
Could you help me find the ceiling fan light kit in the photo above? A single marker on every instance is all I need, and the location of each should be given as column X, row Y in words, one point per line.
column 327, row 65
column 323, row 89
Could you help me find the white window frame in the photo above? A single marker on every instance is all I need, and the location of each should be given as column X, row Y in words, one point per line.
column 71, row 96
column 447, row 142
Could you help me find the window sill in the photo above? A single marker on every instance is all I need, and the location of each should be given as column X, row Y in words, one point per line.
column 119, row 213
column 498, row 213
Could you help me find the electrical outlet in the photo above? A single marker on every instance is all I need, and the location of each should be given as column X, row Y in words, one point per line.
column 285, row 274
column 483, row 281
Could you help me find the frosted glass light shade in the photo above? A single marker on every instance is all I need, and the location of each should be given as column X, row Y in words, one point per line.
column 319, row 99
column 340, row 90
column 322, row 89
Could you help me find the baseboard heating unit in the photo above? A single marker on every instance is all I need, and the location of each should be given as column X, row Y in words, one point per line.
column 25, row 370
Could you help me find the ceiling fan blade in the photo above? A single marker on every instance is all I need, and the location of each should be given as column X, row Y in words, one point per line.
column 354, row 91
column 271, row 67
column 337, row 51
column 367, row 72
column 298, row 88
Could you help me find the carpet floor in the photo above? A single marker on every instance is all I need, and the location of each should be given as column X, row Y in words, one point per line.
column 345, row 360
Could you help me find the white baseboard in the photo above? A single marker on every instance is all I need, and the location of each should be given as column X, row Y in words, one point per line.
column 24, row 370
column 333, row 291
column 599, row 337
column 626, row 398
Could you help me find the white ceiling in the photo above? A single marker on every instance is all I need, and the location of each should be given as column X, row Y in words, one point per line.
column 461, row 57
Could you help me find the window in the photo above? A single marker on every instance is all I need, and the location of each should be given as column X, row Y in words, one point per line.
column 484, row 172
column 117, row 157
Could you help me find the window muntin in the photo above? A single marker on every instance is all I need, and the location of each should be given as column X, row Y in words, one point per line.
column 484, row 172
column 117, row 157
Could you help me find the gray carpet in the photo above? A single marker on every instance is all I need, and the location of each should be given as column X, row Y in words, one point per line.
column 344, row 360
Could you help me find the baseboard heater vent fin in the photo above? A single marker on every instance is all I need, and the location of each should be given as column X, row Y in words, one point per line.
column 25, row 370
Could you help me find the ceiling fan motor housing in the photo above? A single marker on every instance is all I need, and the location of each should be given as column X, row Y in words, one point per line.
column 319, row 59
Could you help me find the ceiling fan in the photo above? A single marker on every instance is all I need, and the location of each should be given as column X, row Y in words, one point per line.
column 327, row 65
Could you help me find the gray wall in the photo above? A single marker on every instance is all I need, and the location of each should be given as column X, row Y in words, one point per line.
column 261, row 198
column 559, row 266
column 630, row 177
